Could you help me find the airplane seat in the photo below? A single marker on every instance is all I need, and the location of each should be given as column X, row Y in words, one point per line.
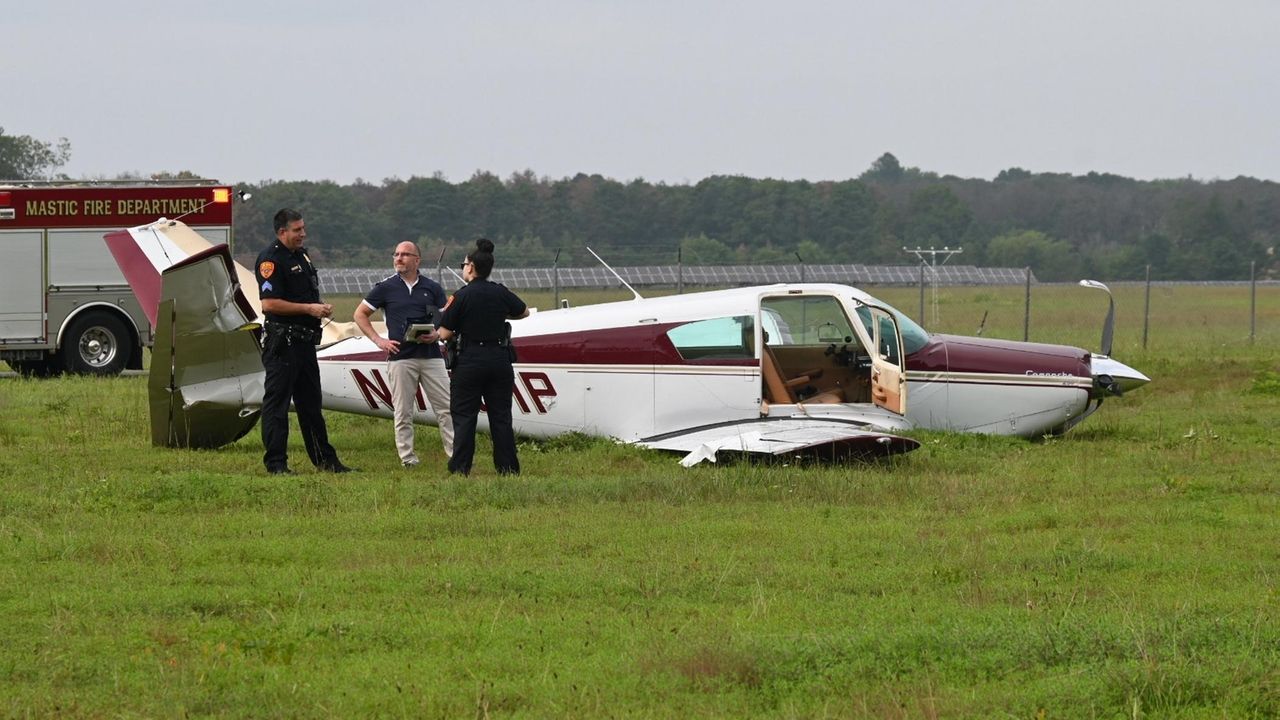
column 778, row 389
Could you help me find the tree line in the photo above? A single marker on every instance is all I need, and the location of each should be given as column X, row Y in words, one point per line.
column 1063, row 226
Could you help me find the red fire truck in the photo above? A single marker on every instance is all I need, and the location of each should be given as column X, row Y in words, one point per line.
column 64, row 306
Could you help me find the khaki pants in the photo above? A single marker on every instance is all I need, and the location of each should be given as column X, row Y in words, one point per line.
column 406, row 376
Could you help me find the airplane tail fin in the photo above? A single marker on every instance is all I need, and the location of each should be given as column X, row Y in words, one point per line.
column 206, row 381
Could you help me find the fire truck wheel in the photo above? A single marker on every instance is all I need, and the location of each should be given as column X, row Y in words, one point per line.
column 96, row 343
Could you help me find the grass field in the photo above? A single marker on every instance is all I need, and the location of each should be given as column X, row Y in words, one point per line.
column 1128, row 569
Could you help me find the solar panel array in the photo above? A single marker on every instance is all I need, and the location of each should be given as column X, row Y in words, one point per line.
column 349, row 281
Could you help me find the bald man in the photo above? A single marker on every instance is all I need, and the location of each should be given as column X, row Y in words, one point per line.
column 405, row 299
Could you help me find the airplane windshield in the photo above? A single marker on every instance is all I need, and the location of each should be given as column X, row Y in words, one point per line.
column 914, row 337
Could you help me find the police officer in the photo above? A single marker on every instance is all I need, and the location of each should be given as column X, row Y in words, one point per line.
column 290, row 290
column 477, row 315
column 406, row 299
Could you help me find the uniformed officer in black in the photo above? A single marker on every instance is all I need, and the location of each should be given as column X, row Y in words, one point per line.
column 477, row 314
column 290, row 290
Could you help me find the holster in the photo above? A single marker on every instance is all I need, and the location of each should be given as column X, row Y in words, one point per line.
column 451, row 353
column 511, row 348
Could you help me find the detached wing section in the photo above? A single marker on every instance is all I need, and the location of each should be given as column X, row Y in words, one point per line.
column 206, row 368
column 810, row 437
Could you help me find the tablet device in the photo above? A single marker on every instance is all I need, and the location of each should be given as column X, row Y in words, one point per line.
column 416, row 329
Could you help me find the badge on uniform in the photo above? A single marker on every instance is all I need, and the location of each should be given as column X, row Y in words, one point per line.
column 266, row 267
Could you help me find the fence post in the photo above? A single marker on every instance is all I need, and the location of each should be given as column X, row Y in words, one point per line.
column 679, row 270
column 555, row 276
column 1146, row 310
column 1026, row 314
column 1253, row 299
column 923, row 320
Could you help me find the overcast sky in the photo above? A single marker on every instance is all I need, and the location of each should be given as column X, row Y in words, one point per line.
column 666, row 91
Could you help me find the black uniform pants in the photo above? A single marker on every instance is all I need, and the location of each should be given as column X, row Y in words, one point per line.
column 482, row 372
column 292, row 374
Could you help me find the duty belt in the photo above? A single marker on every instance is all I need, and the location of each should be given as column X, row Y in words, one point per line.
column 496, row 342
column 294, row 333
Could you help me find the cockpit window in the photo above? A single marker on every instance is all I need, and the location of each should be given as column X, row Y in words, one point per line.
column 806, row 320
column 914, row 337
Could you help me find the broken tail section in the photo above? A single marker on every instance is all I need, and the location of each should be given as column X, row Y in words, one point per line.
column 206, row 378
column 206, row 381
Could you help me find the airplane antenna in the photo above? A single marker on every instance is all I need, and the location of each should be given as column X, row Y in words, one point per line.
column 615, row 274
column 1109, row 325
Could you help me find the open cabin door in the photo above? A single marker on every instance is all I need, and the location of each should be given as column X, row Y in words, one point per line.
column 888, row 372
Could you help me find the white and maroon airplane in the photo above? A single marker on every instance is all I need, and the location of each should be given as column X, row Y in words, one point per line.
column 817, row 369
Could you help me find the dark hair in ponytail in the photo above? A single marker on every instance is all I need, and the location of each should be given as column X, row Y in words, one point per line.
column 482, row 258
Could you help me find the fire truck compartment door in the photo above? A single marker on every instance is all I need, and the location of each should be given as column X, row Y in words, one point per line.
column 22, row 291
column 79, row 258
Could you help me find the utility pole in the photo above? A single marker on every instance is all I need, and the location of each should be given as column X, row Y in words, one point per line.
column 932, row 263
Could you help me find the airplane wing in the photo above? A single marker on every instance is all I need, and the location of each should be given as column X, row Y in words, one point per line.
column 206, row 381
column 810, row 437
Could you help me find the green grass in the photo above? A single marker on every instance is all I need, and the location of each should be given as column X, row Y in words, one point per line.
column 1128, row 569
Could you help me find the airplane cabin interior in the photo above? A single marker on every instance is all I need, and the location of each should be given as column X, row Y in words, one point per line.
column 811, row 354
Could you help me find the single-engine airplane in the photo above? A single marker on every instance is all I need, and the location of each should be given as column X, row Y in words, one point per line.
column 819, row 369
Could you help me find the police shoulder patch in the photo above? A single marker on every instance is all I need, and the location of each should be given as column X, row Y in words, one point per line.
column 266, row 267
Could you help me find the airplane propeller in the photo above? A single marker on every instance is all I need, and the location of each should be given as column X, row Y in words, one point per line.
column 1109, row 325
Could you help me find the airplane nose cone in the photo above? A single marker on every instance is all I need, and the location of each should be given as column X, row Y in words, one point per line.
column 1115, row 378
